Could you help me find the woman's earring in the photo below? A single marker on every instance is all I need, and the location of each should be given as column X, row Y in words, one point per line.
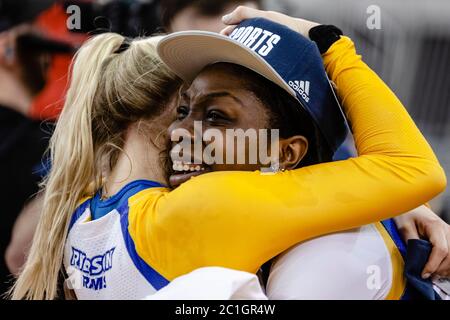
column 275, row 167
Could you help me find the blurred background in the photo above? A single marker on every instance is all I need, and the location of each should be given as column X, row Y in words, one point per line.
column 407, row 42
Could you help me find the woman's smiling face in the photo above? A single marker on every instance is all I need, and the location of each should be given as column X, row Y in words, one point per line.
column 233, row 119
column 218, row 99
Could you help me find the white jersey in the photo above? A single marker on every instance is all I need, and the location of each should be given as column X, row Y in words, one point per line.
column 355, row 264
column 101, row 261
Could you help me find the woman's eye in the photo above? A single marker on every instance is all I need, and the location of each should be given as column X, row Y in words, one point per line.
column 182, row 112
column 215, row 116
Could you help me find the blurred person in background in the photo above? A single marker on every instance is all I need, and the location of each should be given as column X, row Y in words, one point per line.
column 23, row 142
column 180, row 15
column 35, row 54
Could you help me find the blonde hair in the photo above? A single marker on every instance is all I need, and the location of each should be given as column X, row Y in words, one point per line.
column 109, row 90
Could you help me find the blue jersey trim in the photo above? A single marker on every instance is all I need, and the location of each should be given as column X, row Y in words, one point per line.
column 139, row 185
column 391, row 228
column 153, row 277
column 100, row 207
column 150, row 274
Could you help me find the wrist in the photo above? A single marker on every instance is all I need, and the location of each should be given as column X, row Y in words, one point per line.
column 324, row 36
column 304, row 26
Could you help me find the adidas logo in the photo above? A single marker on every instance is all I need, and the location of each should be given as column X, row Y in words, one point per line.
column 302, row 87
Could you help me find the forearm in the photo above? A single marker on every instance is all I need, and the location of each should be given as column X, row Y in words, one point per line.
column 22, row 234
column 372, row 108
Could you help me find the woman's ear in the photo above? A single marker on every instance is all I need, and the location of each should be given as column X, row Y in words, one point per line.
column 292, row 151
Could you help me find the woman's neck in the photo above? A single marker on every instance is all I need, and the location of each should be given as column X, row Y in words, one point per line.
column 140, row 159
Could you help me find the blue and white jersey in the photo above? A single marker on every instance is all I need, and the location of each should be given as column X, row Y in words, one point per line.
column 100, row 256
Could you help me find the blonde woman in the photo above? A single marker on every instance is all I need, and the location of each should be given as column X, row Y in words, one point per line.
column 120, row 234
column 119, row 89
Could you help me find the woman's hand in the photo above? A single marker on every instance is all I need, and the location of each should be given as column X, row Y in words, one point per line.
column 424, row 223
column 242, row 13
